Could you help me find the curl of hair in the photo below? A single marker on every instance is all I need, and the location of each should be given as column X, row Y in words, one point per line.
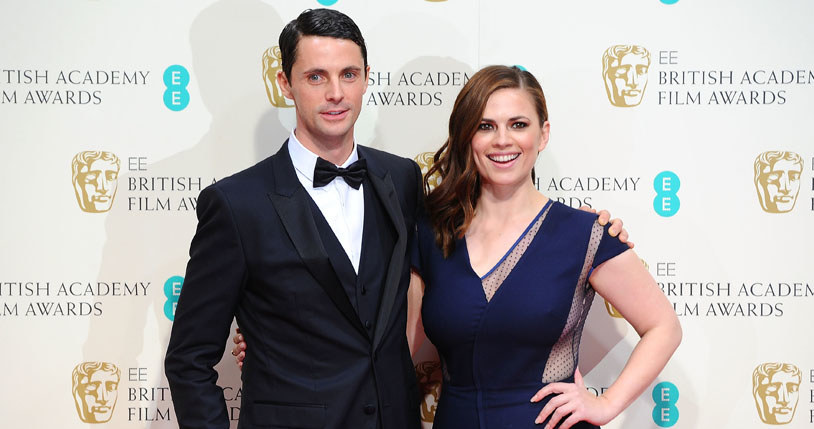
column 768, row 158
column 616, row 51
column 86, row 158
column 451, row 204
column 765, row 371
column 85, row 369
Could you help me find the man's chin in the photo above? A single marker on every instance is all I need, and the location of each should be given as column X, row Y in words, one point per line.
column 632, row 100
column 782, row 415
column 336, row 131
column 784, row 206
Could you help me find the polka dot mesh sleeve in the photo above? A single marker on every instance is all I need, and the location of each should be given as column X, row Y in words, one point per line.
column 562, row 362
column 493, row 281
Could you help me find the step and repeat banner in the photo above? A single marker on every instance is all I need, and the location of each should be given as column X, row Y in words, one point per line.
column 688, row 119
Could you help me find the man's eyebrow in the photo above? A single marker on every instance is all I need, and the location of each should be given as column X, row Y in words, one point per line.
column 314, row 71
column 317, row 70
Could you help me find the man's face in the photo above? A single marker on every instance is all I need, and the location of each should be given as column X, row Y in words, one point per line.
column 779, row 397
column 628, row 78
column 328, row 80
column 780, row 184
column 97, row 183
column 98, row 393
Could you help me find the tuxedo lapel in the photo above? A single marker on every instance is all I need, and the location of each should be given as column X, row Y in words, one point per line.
column 291, row 201
column 383, row 186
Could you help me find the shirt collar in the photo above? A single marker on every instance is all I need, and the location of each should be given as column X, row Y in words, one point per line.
column 304, row 160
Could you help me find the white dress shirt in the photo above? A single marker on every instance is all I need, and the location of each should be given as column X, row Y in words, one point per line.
column 342, row 206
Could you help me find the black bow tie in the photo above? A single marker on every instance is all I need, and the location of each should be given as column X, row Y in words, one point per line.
column 325, row 172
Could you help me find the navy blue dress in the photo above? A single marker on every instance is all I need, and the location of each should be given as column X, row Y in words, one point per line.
column 497, row 353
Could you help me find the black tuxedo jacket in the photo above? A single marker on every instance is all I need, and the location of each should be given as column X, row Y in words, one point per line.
column 257, row 256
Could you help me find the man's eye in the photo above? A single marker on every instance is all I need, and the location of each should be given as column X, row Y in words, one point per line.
column 314, row 78
column 349, row 75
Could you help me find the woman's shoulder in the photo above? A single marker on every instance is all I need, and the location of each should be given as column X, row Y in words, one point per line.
column 564, row 215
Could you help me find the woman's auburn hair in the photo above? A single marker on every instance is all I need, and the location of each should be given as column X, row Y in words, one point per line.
column 451, row 204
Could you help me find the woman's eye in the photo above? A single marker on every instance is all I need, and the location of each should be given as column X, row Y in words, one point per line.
column 485, row 127
column 519, row 125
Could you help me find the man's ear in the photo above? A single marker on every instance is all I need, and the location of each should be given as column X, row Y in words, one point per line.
column 284, row 84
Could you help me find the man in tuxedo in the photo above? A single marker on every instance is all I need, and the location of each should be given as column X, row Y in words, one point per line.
column 308, row 249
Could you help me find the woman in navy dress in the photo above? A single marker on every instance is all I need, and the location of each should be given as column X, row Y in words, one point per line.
column 510, row 275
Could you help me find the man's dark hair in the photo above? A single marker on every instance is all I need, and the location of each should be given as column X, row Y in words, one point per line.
column 317, row 22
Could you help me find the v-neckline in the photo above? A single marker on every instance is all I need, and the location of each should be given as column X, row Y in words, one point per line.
column 511, row 249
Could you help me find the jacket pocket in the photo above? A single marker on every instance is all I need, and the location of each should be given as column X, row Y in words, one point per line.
column 289, row 415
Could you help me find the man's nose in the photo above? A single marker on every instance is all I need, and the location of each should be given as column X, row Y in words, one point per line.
column 783, row 184
column 103, row 395
column 783, row 395
column 632, row 78
column 335, row 93
column 102, row 184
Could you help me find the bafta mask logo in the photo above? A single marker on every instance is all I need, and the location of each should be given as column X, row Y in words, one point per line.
column 776, row 388
column 612, row 311
column 95, row 180
column 624, row 69
column 95, row 390
column 429, row 378
column 777, row 180
column 425, row 161
column 272, row 63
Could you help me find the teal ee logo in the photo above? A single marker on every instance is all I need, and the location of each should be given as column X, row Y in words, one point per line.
column 172, row 290
column 666, row 202
column 665, row 413
column 327, row 2
column 669, row 1
column 520, row 67
column 176, row 96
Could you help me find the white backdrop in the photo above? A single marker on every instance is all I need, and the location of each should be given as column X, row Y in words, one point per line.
column 77, row 76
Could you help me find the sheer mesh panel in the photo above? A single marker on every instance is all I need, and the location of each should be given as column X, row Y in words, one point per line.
column 563, row 358
column 493, row 281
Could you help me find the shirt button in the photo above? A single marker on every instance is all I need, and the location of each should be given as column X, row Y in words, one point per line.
column 368, row 324
column 369, row 409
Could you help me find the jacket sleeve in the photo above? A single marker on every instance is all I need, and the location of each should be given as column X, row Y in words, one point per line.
column 213, row 284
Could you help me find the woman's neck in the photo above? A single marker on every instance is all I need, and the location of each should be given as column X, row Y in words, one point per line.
column 506, row 204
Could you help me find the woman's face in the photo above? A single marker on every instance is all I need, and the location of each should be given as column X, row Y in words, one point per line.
column 508, row 139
